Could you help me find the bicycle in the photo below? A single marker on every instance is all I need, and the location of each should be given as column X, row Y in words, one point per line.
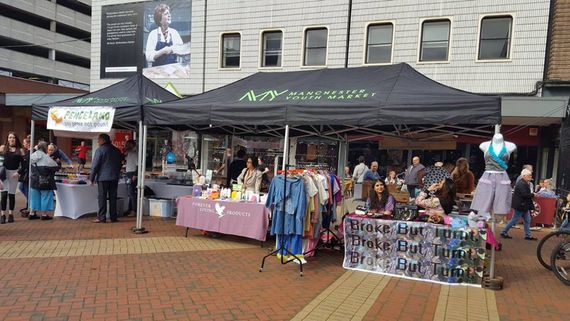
column 560, row 262
column 553, row 239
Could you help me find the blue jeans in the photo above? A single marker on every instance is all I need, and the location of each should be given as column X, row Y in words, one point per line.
column 516, row 217
column 23, row 187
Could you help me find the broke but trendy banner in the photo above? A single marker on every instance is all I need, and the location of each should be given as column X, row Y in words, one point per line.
column 416, row 250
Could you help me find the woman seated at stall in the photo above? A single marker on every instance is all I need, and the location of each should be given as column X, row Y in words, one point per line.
column 463, row 177
column 438, row 201
column 380, row 201
column 250, row 177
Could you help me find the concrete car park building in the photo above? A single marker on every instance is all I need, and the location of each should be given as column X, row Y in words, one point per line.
column 46, row 40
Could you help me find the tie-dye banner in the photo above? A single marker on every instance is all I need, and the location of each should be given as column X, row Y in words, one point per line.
column 416, row 250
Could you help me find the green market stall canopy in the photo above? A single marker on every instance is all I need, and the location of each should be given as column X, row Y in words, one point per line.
column 340, row 100
column 127, row 97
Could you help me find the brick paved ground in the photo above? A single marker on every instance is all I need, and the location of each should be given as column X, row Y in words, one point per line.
column 75, row 270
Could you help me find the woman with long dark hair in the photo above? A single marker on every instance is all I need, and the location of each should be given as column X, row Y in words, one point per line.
column 463, row 177
column 380, row 201
column 12, row 156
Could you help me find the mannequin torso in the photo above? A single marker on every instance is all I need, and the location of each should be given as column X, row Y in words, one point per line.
column 496, row 145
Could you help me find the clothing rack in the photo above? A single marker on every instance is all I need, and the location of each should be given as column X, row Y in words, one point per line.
column 329, row 243
column 282, row 249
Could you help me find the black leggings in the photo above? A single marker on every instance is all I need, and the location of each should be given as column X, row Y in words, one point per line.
column 5, row 198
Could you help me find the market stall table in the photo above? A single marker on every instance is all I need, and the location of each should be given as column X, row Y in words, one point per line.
column 164, row 189
column 74, row 200
column 228, row 217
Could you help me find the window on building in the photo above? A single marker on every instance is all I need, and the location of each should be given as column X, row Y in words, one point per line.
column 272, row 48
column 379, row 43
column 315, row 47
column 435, row 40
column 231, row 43
column 495, row 38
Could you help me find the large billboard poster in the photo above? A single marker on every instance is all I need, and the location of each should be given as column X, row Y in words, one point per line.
column 150, row 36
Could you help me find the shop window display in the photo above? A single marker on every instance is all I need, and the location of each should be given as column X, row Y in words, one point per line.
column 321, row 153
column 214, row 156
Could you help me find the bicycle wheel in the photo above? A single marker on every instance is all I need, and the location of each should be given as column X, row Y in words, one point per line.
column 560, row 262
column 548, row 243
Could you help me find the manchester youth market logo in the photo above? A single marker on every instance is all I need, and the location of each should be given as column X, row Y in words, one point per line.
column 287, row 94
column 268, row 95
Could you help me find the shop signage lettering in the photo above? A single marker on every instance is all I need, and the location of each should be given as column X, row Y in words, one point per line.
column 100, row 101
column 271, row 95
column 415, row 250
column 219, row 209
column 81, row 119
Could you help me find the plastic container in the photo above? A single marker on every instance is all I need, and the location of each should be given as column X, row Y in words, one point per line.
column 161, row 207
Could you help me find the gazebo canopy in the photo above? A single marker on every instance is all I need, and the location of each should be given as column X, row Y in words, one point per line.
column 127, row 96
column 336, row 98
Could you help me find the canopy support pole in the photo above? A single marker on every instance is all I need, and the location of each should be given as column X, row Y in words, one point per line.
column 285, row 148
column 138, row 229
column 32, row 134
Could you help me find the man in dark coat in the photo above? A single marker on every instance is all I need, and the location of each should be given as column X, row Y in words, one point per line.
column 106, row 170
column 522, row 204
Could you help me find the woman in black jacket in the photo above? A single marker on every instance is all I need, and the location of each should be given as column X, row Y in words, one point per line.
column 522, row 204
column 24, row 174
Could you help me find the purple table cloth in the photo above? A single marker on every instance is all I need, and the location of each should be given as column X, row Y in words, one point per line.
column 236, row 218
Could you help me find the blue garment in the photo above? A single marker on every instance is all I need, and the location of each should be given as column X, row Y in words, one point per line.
column 293, row 243
column 23, row 187
column 494, row 161
column 291, row 219
column 164, row 59
column 106, row 164
column 41, row 200
column 371, row 176
column 516, row 217
column 61, row 155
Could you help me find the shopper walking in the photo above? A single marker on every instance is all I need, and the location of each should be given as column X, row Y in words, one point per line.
column 24, row 174
column 81, row 155
column 131, row 162
column 43, row 182
column 522, row 204
column 359, row 170
column 11, row 157
column 106, row 170
column 58, row 155
column 412, row 178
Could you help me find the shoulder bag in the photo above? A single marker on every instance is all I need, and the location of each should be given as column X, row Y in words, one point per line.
column 45, row 182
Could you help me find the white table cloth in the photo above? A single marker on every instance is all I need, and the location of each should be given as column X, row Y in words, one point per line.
column 73, row 201
column 164, row 190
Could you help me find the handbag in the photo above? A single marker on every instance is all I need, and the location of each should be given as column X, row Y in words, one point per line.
column 2, row 173
column 45, row 182
column 405, row 212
